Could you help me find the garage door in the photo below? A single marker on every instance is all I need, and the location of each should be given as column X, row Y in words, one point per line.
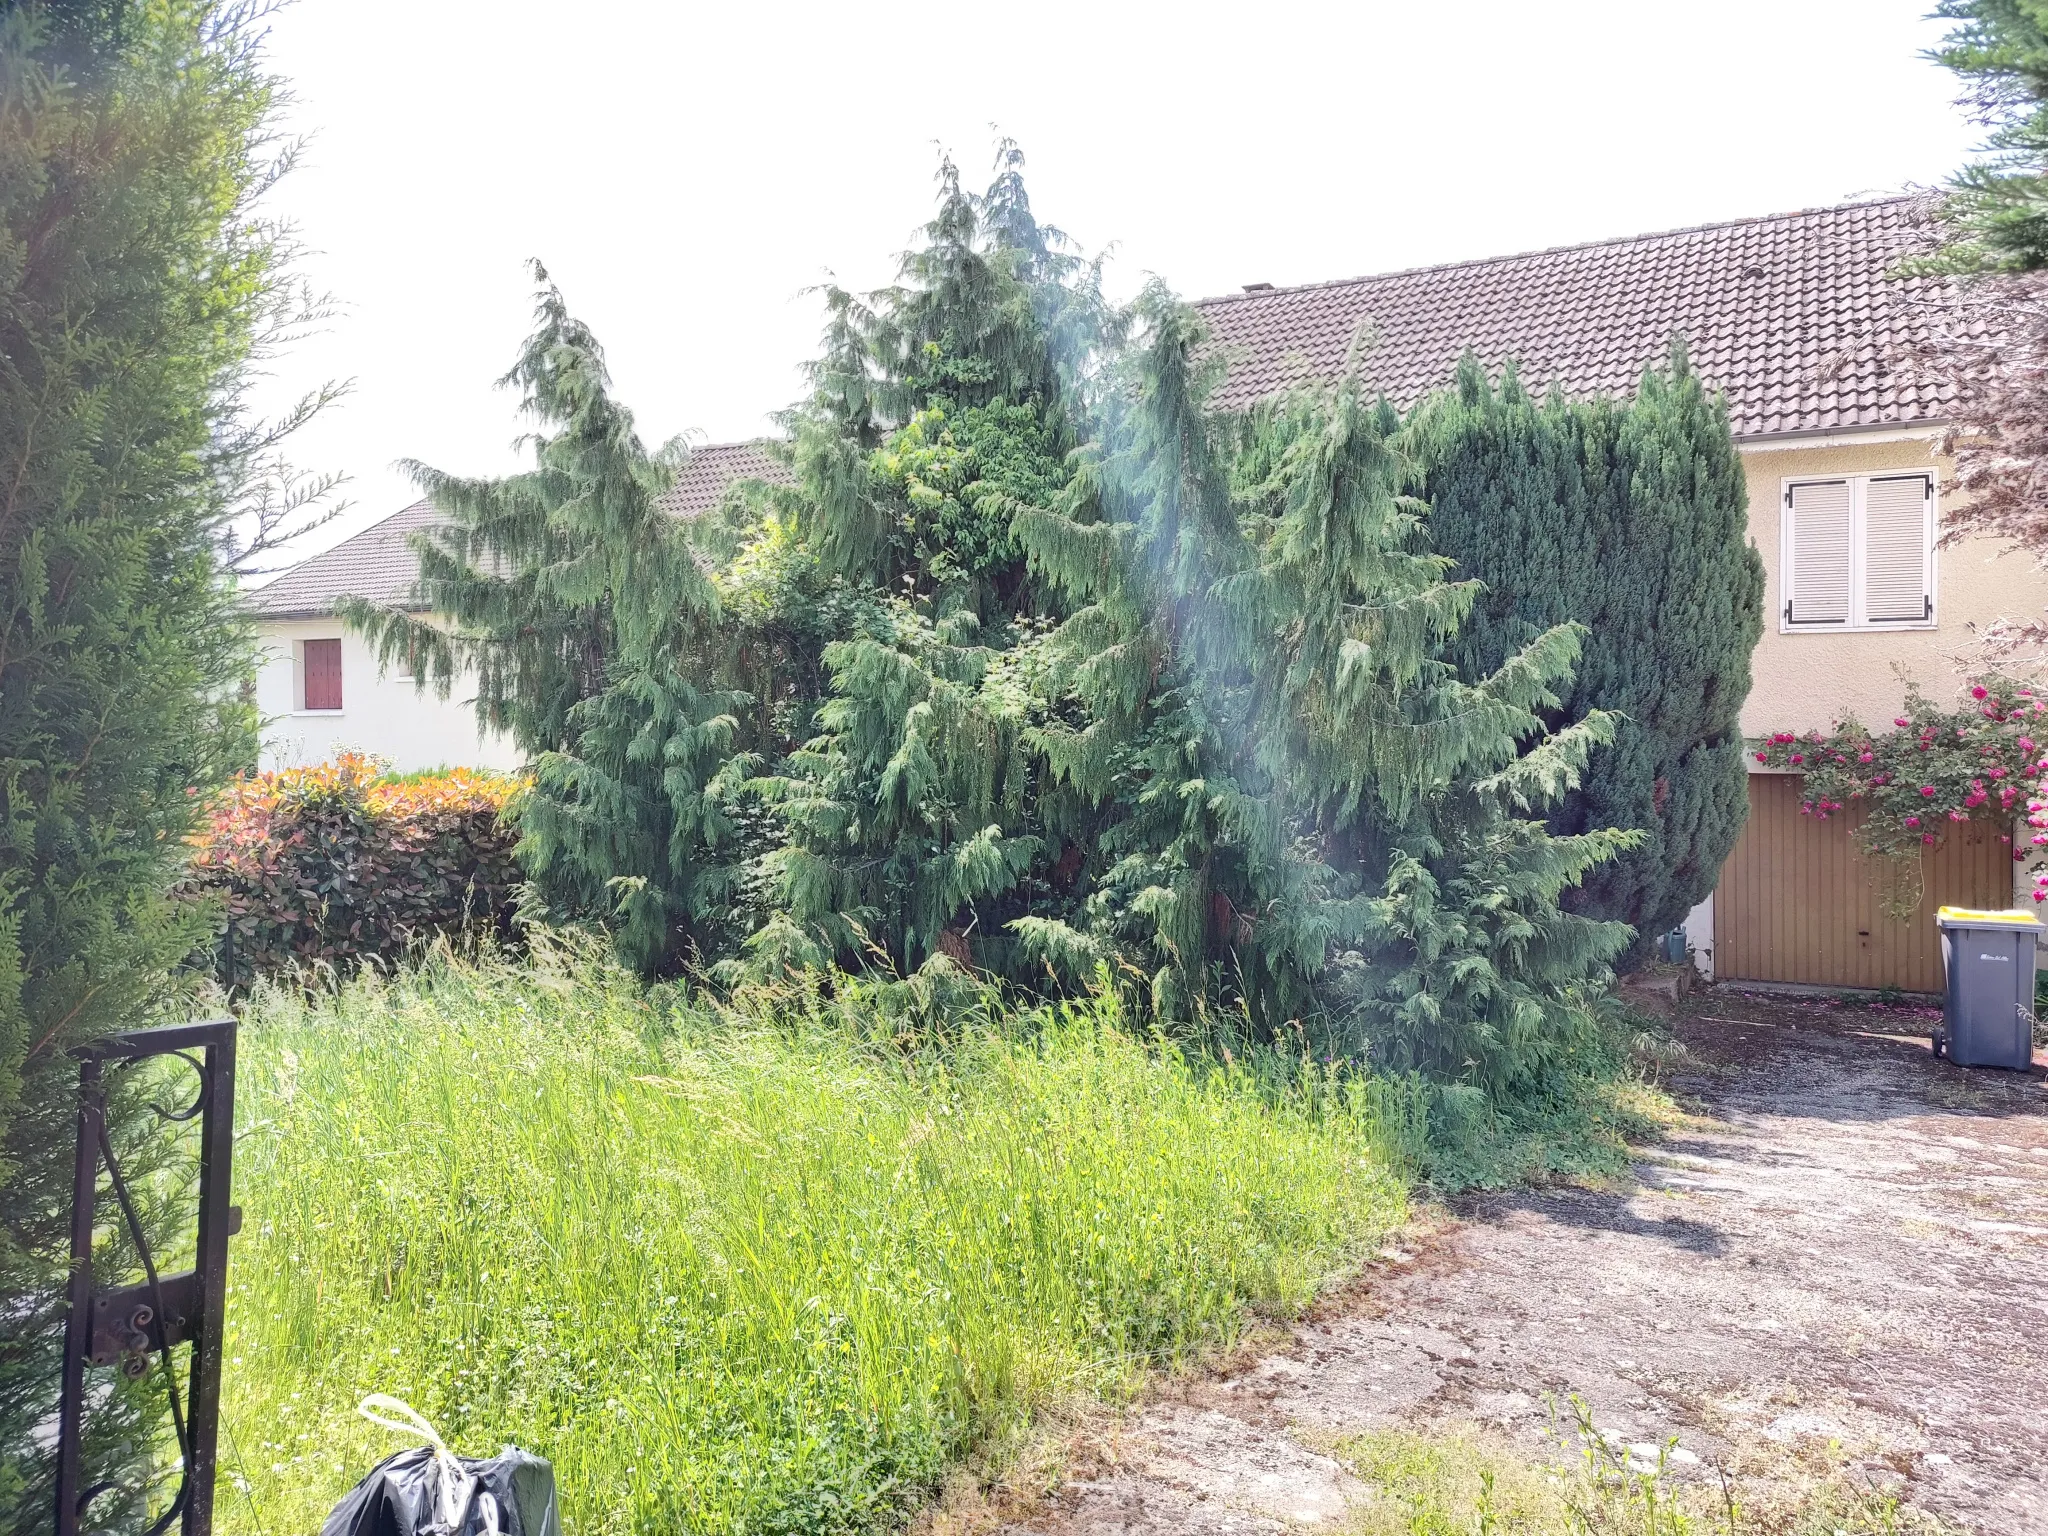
column 1798, row 901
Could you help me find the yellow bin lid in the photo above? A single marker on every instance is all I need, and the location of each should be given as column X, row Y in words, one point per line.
column 2006, row 919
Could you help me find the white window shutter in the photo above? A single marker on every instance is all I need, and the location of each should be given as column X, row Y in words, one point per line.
column 1895, row 562
column 1819, row 556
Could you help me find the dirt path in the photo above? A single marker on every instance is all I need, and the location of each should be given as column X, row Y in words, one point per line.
column 1850, row 1245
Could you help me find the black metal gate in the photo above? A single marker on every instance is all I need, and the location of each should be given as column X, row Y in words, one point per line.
column 123, row 1327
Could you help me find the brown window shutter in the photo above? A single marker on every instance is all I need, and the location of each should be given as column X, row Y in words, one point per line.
column 1895, row 539
column 323, row 674
column 1820, row 553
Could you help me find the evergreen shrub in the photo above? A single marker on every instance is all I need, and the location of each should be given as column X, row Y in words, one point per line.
column 1628, row 517
column 330, row 865
column 1039, row 669
column 136, row 275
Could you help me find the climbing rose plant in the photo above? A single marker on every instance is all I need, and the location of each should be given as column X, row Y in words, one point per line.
column 1985, row 761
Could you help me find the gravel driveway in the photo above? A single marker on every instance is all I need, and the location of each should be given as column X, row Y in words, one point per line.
column 1842, row 1256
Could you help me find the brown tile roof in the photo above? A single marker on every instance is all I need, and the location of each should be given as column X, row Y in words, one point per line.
column 379, row 563
column 713, row 467
column 1793, row 316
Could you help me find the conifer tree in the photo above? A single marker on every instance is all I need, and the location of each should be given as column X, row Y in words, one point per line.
column 593, row 637
column 1997, row 208
column 916, row 826
column 132, row 276
column 1329, row 821
column 1630, row 518
column 1061, row 674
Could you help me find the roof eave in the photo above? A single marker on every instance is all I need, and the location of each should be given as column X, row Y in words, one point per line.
column 1824, row 437
column 326, row 611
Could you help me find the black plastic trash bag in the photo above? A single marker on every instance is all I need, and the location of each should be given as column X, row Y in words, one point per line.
column 430, row 1491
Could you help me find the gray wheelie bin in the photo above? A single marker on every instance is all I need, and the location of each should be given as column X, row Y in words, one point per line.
column 1987, row 1016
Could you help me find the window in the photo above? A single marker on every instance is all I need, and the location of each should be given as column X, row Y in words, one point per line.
column 1858, row 552
column 319, row 674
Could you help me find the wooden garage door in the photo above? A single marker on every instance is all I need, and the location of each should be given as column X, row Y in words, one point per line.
column 1799, row 902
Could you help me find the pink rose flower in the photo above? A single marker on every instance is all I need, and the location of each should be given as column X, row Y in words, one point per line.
column 1980, row 692
column 1912, row 821
column 1927, row 790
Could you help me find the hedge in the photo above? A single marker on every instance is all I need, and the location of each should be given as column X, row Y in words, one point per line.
column 334, row 865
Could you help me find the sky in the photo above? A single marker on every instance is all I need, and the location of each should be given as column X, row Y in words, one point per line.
column 687, row 172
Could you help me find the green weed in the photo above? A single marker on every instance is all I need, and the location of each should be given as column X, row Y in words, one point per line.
column 1461, row 1482
column 744, row 1269
column 1574, row 1120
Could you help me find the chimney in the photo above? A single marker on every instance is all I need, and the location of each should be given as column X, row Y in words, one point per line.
column 1258, row 287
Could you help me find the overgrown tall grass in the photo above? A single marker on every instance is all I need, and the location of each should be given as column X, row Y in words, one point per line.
column 741, row 1271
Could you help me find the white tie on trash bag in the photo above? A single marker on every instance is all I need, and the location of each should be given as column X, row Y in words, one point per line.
column 454, row 1485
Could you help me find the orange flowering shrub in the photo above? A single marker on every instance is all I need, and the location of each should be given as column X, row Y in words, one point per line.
column 333, row 864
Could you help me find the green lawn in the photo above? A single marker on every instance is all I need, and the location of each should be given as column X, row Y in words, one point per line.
column 741, row 1271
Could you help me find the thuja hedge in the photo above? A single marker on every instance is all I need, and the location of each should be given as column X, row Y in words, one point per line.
column 333, row 865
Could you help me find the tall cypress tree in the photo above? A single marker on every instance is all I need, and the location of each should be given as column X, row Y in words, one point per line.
column 1630, row 518
column 917, row 826
column 1997, row 208
column 1331, row 822
column 131, row 276
column 593, row 636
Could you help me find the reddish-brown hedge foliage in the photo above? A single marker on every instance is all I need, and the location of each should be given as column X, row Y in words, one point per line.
column 331, row 864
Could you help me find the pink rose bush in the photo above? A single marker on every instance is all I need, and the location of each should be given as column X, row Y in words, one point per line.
column 1932, row 769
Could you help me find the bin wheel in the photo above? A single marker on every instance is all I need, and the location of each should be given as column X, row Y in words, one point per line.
column 1940, row 1042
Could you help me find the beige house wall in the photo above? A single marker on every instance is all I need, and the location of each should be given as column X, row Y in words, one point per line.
column 1808, row 679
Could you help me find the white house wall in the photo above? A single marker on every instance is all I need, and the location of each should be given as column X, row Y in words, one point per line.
column 385, row 717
